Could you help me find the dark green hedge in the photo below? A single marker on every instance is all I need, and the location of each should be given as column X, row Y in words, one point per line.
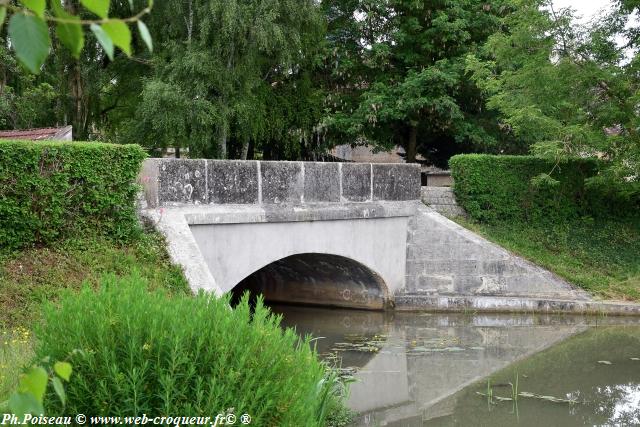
column 493, row 188
column 49, row 190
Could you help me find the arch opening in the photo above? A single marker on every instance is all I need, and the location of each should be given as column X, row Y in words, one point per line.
column 317, row 279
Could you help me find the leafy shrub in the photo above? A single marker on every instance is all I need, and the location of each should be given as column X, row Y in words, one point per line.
column 143, row 352
column 50, row 190
column 493, row 188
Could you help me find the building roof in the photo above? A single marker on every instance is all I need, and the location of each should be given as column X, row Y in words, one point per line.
column 40, row 134
column 367, row 154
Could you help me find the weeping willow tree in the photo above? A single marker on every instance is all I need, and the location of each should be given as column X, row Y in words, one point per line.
column 230, row 77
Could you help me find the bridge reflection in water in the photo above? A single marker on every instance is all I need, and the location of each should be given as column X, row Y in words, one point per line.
column 408, row 365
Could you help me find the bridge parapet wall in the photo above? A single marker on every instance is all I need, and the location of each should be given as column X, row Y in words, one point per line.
column 172, row 182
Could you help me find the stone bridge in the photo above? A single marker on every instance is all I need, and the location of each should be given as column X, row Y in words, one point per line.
column 338, row 234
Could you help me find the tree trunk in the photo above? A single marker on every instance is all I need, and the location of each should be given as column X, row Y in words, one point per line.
column 412, row 144
column 80, row 114
column 245, row 149
column 222, row 142
column 189, row 23
column 251, row 151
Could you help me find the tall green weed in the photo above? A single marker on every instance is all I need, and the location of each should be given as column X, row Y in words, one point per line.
column 145, row 352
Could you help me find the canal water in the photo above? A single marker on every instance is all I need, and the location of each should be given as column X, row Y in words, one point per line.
column 423, row 369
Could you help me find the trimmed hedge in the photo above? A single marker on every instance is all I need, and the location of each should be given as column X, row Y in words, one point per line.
column 494, row 188
column 50, row 189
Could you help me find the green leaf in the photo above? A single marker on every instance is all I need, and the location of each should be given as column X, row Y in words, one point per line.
column 146, row 36
column 103, row 39
column 34, row 381
column 63, row 370
column 3, row 15
column 59, row 389
column 120, row 34
column 21, row 404
column 36, row 6
column 99, row 7
column 70, row 34
column 30, row 39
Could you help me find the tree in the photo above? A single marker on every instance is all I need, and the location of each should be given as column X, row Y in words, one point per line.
column 24, row 101
column 563, row 89
column 78, row 78
column 219, row 70
column 401, row 75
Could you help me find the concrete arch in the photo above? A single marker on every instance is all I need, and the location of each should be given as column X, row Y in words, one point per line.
column 234, row 251
column 318, row 279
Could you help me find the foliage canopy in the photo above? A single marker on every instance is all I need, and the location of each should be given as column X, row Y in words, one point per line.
column 284, row 79
column 565, row 89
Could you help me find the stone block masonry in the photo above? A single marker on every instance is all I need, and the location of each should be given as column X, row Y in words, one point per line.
column 229, row 182
column 204, row 182
column 442, row 200
column 447, row 260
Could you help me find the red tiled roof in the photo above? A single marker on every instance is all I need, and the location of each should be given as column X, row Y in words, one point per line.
column 36, row 134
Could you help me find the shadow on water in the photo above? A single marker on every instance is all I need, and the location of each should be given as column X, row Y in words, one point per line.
column 340, row 332
column 419, row 369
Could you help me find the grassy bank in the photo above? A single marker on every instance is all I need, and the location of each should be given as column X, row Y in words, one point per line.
column 214, row 357
column 32, row 276
column 601, row 256
column 16, row 350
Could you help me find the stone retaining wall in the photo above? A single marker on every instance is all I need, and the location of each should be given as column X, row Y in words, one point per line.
column 445, row 259
column 440, row 179
column 441, row 200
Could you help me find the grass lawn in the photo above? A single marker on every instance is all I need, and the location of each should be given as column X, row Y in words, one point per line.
column 600, row 256
column 31, row 276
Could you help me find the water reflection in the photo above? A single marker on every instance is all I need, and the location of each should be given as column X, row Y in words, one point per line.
column 416, row 369
column 624, row 403
column 595, row 368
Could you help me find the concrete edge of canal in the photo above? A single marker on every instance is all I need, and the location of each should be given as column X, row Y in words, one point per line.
column 516, row 304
